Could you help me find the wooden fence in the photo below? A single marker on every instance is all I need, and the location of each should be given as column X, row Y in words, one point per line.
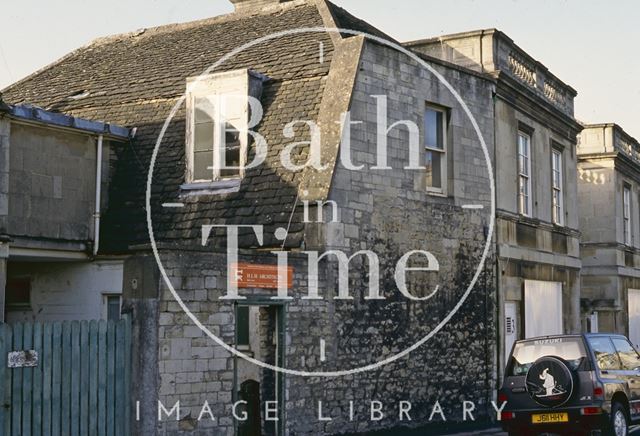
column 79, row 386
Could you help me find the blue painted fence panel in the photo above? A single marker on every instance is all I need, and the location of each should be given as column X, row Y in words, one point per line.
column 80, row 385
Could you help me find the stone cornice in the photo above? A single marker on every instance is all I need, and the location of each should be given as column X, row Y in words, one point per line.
column 521, row 97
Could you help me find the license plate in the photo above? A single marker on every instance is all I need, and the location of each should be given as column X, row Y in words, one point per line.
column 547, row 418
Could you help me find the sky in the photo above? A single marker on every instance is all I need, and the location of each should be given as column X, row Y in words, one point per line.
column 590, row 44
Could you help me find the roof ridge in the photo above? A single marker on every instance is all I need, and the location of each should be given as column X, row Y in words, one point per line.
column 102, row 40
column 232, row 16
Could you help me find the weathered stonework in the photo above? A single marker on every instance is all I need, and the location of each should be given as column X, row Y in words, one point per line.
column 608, row 161
column 530, row 246
column 388, row 212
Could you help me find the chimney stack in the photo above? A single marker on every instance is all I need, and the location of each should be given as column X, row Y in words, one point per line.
column 254, row 5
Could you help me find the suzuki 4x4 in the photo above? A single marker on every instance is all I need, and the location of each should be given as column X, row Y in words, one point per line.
column 571, row 384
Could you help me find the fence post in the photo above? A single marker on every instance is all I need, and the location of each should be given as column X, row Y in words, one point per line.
column 5, row 380
column 141, row 284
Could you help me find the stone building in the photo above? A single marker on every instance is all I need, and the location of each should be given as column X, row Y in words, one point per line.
column 609, row 194
column 442, row 206
column 537, row 237
column 54, row 172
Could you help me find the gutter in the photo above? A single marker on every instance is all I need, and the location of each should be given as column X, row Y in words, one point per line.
column 96, row 215
column 32, row 114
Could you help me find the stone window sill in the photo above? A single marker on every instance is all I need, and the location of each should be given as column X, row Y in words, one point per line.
column 245, row 349
column 211, row 188
column 436, row 193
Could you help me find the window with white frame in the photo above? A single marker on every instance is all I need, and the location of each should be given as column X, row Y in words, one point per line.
column 626, row 213
column 524, row 174
column 557, row 187
column 217, row 118
column 112, row 305
column 216, row 147
column 435, row 143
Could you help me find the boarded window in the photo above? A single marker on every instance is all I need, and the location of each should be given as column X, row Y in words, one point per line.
column 634, row 316
column 542, row 308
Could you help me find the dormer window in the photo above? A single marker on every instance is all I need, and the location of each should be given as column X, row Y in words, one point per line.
column 217, row 125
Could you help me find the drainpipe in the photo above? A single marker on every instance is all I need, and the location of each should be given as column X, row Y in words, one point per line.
column 96, row 214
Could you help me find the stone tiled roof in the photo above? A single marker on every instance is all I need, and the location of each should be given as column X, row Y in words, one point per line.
column 344, row 20
column 135, row 79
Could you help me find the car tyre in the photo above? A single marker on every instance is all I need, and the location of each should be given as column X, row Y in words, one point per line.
column 618, row 421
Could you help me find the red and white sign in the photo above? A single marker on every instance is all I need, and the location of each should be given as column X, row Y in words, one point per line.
column 250, row 275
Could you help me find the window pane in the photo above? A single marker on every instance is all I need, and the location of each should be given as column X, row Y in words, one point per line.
column 433, row 125
column 233, row 105
column 628, row 355
column 524, row 186
column 113, row 308
column 525, row 354
column 557, row 170
column 202, row 163
column 204, row 110
column 231, row 135
column 242, row 325
column 232, row 159
column 524, row 181
column 557, row 208
column 522, row 145
column 434, row 169
column 627, row 199
column 203, row 137
column 523, row 195
column 606, row 356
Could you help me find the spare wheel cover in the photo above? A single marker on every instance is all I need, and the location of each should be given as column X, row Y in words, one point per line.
column 549, row 382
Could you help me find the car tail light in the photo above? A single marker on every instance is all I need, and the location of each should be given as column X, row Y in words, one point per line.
column 507, row 416
column 591, row 411
column 598, row 393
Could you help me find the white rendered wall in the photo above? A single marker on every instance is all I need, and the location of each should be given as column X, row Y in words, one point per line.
column 67, row 291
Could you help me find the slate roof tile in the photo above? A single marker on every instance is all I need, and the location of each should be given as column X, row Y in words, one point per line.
column 134, row 80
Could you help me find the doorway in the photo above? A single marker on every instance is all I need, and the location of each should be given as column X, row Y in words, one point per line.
column 260, row 334
column 511, row 328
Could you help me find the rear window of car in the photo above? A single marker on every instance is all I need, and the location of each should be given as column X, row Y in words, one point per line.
column 526, row 353
column 605, row 354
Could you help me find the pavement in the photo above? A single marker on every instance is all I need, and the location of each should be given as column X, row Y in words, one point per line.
column 485, row 432
column 634, row 430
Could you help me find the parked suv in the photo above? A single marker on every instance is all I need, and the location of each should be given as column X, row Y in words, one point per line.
column 571, row 384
